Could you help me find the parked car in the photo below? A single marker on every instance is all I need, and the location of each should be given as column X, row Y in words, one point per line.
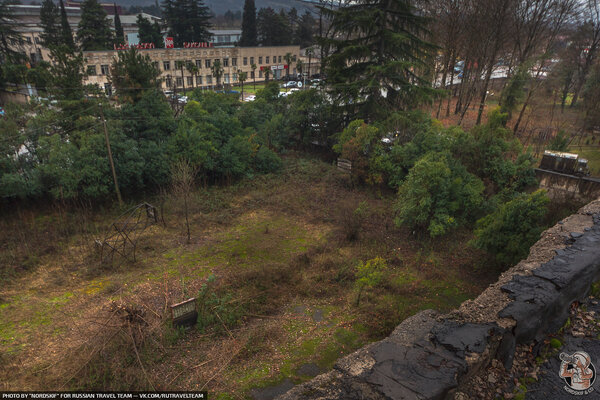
column 290, row 84
column 252, row 97
column 182, row 99
column 459, row 66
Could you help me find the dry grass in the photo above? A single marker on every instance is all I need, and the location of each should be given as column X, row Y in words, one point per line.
column 277, row 255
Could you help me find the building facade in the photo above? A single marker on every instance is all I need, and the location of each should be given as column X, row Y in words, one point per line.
column 27, row 24
column 174, row 76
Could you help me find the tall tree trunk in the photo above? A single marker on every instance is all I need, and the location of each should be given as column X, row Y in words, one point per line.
column 486, row 83
column 452, row 88
column 443, row 82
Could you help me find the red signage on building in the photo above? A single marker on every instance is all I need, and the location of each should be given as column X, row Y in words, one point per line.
column 169, row 44
column 196, row 45
column 139, row 46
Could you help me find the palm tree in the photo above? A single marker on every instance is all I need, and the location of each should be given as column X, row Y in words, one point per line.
column 217, row 71
column 299, row 67
column 253, row 66
column 309, row 53
column 193, row 70
column 242, row 77
column 289, row 58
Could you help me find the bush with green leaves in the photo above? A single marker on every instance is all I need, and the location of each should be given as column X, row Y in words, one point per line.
column 368, row 275
column 361, row 144
column 216, row 312
column 513, row 228
column 266, row 160
column 438, row 195
column 560, row 142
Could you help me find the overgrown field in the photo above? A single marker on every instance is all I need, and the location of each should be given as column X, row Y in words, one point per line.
column 273, row 262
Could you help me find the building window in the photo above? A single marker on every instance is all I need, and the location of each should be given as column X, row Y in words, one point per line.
column 199, row 80
column 108, row 89
column 207, row 63
column 166, row 65
column 267, row 60
column 209, row 79
column 260, row 60
column 235, row 77
column 234, row 62
column 179, row 81
column 155, row 65
column 91, row 70
column 279, row 61
column 245, row 60
column 251, row 60
column 104, row 70
column 169, row 82
column 226, row 62
column 179, row 64
column 199, row 64
column 251, row 74
column 28, row 40
column 37, row 40
column 226, row 78
column 260, row 74
column 190, row 81
column 216, row 59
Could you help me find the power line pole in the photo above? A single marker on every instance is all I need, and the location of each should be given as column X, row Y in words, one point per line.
column 110, row 157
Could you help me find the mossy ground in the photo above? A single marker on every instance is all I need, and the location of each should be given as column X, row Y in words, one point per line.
column 279, row 262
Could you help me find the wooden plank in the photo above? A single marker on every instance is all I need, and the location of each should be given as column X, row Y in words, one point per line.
column 184, row 313
column 344, row 165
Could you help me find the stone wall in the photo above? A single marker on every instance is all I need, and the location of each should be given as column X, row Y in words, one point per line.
column 566, row 187
column 429, row 356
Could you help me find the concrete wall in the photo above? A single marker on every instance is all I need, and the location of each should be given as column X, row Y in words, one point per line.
column 567, row 187
column 13, row 97
column 429, row 356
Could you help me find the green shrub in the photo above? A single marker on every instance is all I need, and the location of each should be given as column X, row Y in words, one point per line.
column 438, row 195
column 369, row 275
column 513, row 228
column 266, row 160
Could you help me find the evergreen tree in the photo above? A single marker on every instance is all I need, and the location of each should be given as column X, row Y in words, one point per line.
column 132, row 75
column 94, row 31
column 8, row 34
column 67, row 73
column 273, row 29
column 377, row 56
column 187, row 20
column 65, row 29
column 292, row 18
column 50, row 23
column 304, row 33
column 157, row 36
column 249, row 38
column 149, row 33
column 200, row 21
column 119, row 34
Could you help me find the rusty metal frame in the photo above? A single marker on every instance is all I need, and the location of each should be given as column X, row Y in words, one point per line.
column 125, row 231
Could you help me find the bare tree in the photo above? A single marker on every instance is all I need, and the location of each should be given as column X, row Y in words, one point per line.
column 537, row 26
column 183, row 177
column 589, row 43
